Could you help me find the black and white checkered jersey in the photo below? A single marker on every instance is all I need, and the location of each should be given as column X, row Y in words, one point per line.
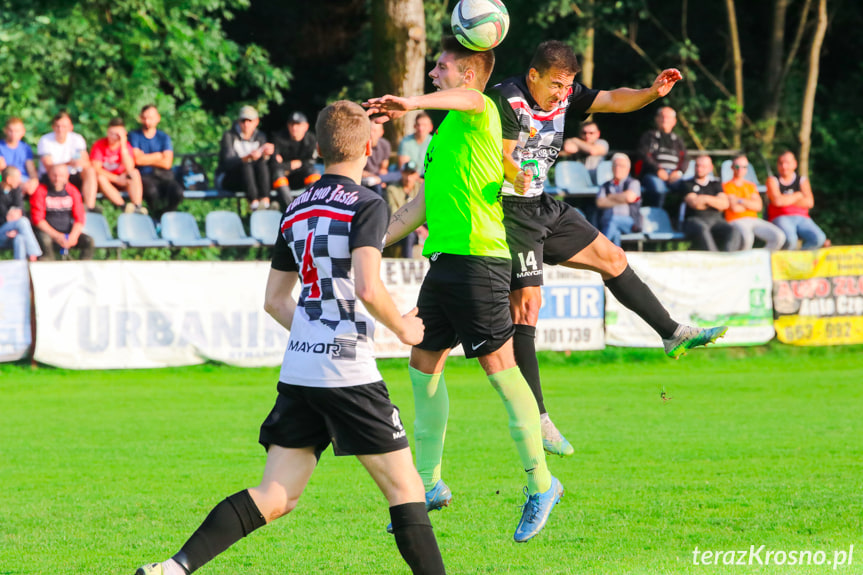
column 539, row 134
column 331, row 342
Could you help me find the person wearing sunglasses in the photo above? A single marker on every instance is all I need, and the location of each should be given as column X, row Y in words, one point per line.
column 744, row 210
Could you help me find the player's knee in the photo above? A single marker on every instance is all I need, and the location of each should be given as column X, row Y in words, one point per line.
column 615, row 260
column 274, row 501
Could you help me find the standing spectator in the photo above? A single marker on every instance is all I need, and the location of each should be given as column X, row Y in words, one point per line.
column 14, row 152
column 790, row 197
column 154, row 156
column 705, row 202
column 662, row 158
column 619, row 201
column 745, row 209
column 243, row 156
column 378, row 163
column 589, row 149
column 293, row 161
column 58, row 215
column 413, row 147
column 15, row 229
column 63, row 146
column 114, row 161
column 399, row 194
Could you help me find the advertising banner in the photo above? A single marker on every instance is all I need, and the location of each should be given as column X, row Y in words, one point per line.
column 818, row 296
column 15, row 336
column 702, row 289
column 116, row 315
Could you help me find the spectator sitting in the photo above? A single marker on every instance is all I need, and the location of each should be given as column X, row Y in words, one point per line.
column 243, row 156
column 745, row 209
column 15, row 230
column 662, row 155
column 705, row 201
column 413, row 147
column 114, row 161
column 154, row 156
column 790, row 199
column 619, row 201
column 590, row 149
column 58, row 215
column 294, row 155
column 379, row 161
column 63, row 146
column 398, row 194
column 14, row 152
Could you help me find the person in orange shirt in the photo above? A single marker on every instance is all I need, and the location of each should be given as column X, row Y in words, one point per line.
column 745, row 207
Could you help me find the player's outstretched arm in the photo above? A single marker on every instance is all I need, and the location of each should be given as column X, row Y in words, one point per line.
column 407, row 218
column 371, row 291
column 625, row 100
column 278, row 299
column 458, row 99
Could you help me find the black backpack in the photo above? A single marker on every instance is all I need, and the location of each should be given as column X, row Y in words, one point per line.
column 192, row 176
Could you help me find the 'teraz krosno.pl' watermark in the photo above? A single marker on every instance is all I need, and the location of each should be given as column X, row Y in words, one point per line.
column 761, row 555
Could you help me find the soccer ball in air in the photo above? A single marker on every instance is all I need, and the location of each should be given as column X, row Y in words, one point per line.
column 480, row 24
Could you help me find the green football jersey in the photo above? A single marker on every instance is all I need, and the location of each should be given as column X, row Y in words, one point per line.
column 463, row 177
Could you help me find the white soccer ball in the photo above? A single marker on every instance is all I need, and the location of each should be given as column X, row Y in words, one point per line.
column 480, row 24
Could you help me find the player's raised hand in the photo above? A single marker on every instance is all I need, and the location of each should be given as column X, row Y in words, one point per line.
column 666, row 80
column 412, row 328
column 390, row 106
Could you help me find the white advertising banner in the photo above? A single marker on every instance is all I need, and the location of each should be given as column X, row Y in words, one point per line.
column 702, row 289
column 117, row 315
column 15, row 337
column 571, row 316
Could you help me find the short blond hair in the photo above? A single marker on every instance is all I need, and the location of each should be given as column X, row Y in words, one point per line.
column 343, row 129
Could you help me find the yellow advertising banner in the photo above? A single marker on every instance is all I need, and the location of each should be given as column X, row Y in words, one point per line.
column 818, row 296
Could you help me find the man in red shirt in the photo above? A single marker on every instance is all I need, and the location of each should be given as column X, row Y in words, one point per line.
column 114, row 161
column 57, row 212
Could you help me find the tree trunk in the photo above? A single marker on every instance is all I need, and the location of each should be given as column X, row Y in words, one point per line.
column 398, row 50
column 811, row 86
column 738, row 71
column 587, row 63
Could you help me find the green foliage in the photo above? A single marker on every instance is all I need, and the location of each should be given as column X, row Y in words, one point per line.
column 102, row 59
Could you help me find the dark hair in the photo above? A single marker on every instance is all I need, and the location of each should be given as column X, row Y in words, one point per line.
column 422, row 114
column 116, row 122
column 786, row 151
column 589, row 123
column 147, row 107
column 554, row 54
column 343, row 129
column 738, row 156
column 482, row 63
column 60, row 115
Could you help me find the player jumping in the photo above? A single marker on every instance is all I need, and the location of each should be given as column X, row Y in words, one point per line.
column 534, row 111
column 329, row 387
column 464, row 296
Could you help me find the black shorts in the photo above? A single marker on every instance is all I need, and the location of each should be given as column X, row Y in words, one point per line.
column 466, row 299
column 541, row 230
column 357, row 420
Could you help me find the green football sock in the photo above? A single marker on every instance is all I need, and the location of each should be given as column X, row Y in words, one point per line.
column 524, row 426
column 431, row 403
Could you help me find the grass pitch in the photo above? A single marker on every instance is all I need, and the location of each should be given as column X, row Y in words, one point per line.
column 103, row 471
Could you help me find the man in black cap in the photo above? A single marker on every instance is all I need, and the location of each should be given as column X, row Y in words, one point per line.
column 293, row 162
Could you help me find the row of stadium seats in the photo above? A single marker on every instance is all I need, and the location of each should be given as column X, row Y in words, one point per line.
column 573, row 178
column 180, row 230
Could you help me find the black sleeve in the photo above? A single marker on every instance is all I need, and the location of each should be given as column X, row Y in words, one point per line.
column 580, row 102
column 650, row 165
column 508, row 118
column 283, row 257
column 17, row 199
column 228, row 158
column 369, row 225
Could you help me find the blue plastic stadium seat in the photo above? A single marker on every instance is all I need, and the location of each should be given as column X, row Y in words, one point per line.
column 182, row 231
column 96, row 226
column 604, row 172
column 138, row 231
column 264, row 226
column 573, row 178
column 226, row 229
column 750, row 176
column 656, row 225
